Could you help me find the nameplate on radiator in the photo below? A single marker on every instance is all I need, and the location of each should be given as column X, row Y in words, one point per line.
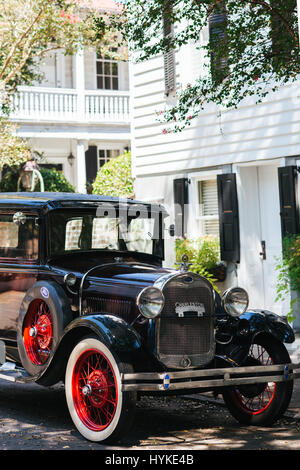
column 189, row 309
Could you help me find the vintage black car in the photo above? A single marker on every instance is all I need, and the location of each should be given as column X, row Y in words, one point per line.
column 84, row 299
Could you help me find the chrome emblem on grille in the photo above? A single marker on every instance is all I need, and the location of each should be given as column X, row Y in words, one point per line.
column 186, row 362
column 183, row 309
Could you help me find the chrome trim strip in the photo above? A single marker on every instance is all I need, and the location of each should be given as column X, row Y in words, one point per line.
column 216, row 377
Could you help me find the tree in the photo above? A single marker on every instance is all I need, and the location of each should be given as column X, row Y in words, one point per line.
column 253, row 47
column 114, row 178
column 29, row 29
column 13, row 150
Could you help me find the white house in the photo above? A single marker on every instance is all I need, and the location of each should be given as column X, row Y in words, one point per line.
column 78, row 117
column 257, row 150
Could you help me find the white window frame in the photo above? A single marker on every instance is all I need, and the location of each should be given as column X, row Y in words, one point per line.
column 106, row 150
column 111, row 76
column 196, row 230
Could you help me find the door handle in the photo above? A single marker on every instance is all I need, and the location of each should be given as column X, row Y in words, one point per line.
column 263, row 250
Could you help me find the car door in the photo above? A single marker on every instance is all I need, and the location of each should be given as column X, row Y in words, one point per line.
column 19, row 261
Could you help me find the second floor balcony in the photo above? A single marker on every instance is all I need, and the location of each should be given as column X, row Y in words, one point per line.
column 68, row 105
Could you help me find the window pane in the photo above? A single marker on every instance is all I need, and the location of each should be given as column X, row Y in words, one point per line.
column 208, row 197
column 114, row 68
column 105, row 234
column 107, row 83
column 107, row 68
column 8, row 235
column 115, row 84
column 100, row 83
column 73, row 231
column 99, row 68
column 20, row 242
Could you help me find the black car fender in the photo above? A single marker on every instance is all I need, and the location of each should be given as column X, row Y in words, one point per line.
column 264, row 321
column 114, row 332
column 252, row 324
column 56, row 299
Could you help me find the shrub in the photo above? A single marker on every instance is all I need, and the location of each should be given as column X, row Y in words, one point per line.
column 115, row 178
column 54, row 181
column 203, row 253
column 288, row 268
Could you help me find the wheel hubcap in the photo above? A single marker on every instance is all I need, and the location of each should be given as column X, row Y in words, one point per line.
column 38, row 332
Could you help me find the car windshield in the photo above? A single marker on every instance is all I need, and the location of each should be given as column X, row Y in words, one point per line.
column 73, row 231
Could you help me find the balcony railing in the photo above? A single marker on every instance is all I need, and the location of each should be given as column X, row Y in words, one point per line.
column 61, row 104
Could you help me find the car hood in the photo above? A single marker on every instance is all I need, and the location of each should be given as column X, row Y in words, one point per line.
column 130, row 270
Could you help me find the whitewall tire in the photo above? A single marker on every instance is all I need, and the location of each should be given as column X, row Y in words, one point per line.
column 99, row 409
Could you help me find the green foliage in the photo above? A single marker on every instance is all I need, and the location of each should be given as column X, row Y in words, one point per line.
column 114, row 178
column 13, row 150
column 203, row 253
column 257, row 48
column 288, row 268
column 54, row 181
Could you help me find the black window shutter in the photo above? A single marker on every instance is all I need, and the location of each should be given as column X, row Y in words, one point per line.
column 180, row 187
column 91, row 166
column 228, row 218
column 217, row 34
column 289, row 210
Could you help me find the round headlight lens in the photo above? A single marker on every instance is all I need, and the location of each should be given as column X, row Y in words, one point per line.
column 235, row 301
column 150, row 302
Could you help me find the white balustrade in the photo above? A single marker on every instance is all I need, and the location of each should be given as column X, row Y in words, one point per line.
column 58, row 104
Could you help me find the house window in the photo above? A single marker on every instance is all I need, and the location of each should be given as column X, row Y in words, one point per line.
column 208, row 213
column 218, row 44
column 107, row 72
column 169, row 55
column 105, row 155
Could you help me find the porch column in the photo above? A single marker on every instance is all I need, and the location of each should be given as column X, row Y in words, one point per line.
column 80, row 166
column 79, row 82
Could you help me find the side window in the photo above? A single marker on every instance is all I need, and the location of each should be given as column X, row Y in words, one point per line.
column 18, row 241
column 208, row 212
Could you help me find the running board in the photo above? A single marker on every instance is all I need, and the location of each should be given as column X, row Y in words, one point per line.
column 9, row 370
column 11, row 373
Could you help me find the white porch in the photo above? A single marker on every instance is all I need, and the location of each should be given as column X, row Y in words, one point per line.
column 70, row 120
column 57, row 105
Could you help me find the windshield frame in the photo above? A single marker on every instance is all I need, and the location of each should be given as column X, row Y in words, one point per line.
column 158, row 241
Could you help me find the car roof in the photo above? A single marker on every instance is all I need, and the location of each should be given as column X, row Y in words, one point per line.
column 49, row 201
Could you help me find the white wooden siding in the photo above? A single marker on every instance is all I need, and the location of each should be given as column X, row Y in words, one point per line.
column 218, row 136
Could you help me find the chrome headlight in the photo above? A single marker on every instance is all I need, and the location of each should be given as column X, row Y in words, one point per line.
column 150, row 302
column 235, row 301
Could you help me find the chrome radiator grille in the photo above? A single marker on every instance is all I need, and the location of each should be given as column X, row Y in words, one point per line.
column 117, row 307
column 185, row 329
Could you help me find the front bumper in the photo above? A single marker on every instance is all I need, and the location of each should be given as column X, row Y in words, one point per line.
column 208, row 378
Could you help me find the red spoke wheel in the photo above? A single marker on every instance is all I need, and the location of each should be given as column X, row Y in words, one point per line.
column 94, row 390
column 99, row 408
column 38, row 332
column 261, row 403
